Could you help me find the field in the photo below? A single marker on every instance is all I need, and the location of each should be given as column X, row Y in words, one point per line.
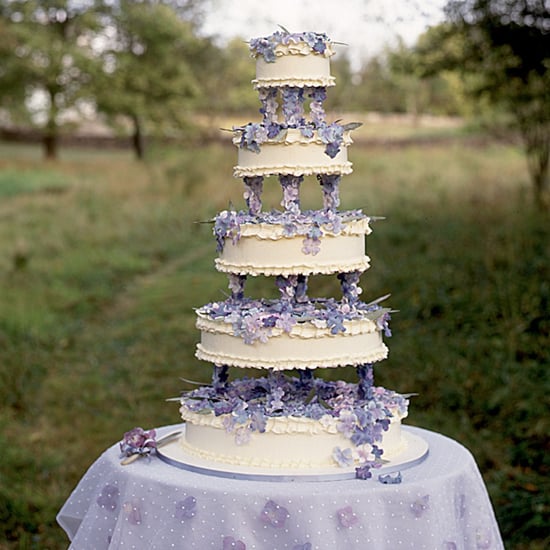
column 102, row 260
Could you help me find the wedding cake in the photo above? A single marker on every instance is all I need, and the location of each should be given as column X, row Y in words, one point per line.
column 276, row 412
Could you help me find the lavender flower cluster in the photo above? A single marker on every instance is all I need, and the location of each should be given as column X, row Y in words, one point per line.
column 265, row 46
column 248, row 403
column 254, row 319
column 254, row 134
column 312, row 224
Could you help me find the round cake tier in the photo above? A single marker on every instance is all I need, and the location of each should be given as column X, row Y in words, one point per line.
column 287, row 442
column 294, row 70
column 265, row 249
column 294, row 155
column 305, row 346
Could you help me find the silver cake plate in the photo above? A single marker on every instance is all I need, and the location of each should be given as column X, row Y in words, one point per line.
column 416, row 450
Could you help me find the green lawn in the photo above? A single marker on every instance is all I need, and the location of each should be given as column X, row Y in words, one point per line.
column 102, row 261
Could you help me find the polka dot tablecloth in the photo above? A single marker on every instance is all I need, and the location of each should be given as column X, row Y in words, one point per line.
column 440, row 504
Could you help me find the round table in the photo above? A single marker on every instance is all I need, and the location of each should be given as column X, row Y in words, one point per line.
column 440, row 504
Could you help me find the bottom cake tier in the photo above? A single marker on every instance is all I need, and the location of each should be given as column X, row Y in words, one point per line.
column 285, row 422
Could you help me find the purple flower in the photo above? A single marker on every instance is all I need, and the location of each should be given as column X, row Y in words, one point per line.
column 346, row 517
column 418, row 507
column 449, row 545
column 311, row 246
column 186, row 509
column 390, row 479
column 132, row 511
column 138, row 441
column 363, row 472
column 343, row 458
column 333, row 136
column 274, row 515
column 229, row 543
column 108, row 498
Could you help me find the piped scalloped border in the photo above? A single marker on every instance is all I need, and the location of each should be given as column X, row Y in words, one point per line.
column 380, row 353
column 313, row 268
column 294, row 170
column 309, row 82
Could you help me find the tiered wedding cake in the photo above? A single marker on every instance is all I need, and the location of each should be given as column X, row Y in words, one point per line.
column 288, row 419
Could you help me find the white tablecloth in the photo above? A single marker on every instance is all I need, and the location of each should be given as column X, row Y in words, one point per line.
column 441, row 504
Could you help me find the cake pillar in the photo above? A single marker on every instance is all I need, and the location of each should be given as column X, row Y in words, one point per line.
column 236, row 285
column 253, row 193
column 293, row 105
column 349, row 283
column 366, row 381
column 318, row 96
column 331, row 192
column 291, row 192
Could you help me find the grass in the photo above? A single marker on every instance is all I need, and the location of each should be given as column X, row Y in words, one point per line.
column 98, row 281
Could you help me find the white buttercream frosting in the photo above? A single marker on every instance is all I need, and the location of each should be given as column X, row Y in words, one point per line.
column 264, row 249
column 292, row 154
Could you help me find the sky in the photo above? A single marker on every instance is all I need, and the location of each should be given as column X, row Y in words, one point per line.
column 365, row 26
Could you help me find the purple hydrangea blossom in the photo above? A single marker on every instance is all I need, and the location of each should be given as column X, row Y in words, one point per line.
column 274, row 515
column 230, row 543
column 138, row 441
column 108, row 498
column 186, row 509
column 311, row 246
column 252, row 136
column 346, row 517
column 343, row 457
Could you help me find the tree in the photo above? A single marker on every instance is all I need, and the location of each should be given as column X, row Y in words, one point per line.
column 149, row 62
column 506, row 43
column 45, row 66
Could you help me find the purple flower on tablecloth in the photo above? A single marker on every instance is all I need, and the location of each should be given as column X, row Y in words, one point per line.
column 108, row 498
column 390, row 479
column 132, row 510
column 305, row 546
column 449, row 545
column 483, row 538
column 460, row 505
column 274, row 515
column 138, row 441
column 418, row 507
column 229, row 543
column 186, row 509
column 346, row 517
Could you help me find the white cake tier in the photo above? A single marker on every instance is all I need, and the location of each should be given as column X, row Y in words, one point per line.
column 292, row 155
column 299, row 69
column 304, row 347
column 288, row 442
column 264, row 249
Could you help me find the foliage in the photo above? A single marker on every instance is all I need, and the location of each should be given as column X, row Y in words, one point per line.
column 148, row 74
column 98, row 328
column 43, row 63
column 503, row 47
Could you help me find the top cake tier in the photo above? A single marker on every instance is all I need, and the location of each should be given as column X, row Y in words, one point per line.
column 292, row 59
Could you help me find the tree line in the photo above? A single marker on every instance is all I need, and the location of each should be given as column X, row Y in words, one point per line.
column 145, row 65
